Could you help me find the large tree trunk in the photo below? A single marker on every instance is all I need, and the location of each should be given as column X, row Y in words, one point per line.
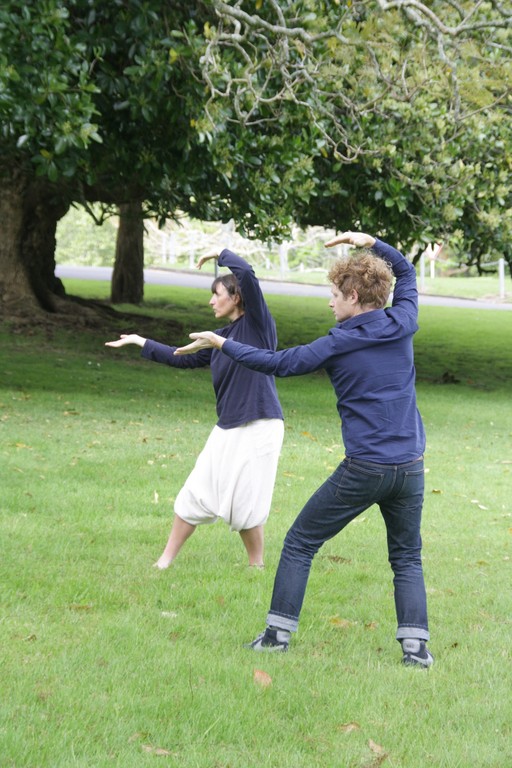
column 43, row 208
column 15, row 287
column 128, row 276
column 29, row 213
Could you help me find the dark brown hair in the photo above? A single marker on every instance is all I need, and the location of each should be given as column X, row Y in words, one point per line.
column 230, row 283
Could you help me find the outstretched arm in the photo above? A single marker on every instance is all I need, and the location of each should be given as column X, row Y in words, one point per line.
column 127, row 338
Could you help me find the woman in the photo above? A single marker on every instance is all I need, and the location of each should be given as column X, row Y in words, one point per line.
column 234, row 474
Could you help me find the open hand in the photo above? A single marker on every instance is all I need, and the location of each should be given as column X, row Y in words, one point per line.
column 204, row 259
column 202, row 340
column 359, row 239
column 127, row 338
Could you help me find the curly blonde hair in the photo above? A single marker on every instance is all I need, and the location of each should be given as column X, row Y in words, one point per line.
column 365, row 273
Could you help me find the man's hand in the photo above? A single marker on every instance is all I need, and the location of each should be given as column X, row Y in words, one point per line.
column 127, row 338
column 203, row 340
column 359, row 239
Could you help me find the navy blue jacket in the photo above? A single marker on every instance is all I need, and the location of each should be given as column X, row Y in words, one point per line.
column 370, row 362
column 242, row 395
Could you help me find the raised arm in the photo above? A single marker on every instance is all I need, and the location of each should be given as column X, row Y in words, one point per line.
column 405, row 292
column 255, row 306
column 358, row 239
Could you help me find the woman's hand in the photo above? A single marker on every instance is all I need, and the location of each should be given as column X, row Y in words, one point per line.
column 203, row 340
column 359, row 239
column 204, row 259
column 127, row 338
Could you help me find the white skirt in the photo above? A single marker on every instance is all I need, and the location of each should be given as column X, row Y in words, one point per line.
column 234, row 476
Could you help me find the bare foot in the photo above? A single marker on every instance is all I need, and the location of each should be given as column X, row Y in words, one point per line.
column 162, row 563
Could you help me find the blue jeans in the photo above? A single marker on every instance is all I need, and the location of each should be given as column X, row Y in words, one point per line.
column 355, row 485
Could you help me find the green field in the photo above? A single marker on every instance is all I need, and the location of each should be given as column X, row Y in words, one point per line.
column 105, row 661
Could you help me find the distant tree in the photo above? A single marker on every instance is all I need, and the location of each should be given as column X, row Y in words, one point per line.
column 128, row 273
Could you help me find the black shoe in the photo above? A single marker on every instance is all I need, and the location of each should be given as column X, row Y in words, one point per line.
column 270, row 640
column 416, row 653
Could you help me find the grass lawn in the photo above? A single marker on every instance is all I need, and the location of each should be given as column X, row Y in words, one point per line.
column 105, row 661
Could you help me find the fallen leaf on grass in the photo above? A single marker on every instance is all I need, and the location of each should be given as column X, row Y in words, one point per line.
column 376, row 747
column 338, row 559
column 349, row 727
column 309, row 435
column 379, row 752
column 137, row 737
column 335, row 621
column 262, row 678
column 156, row 750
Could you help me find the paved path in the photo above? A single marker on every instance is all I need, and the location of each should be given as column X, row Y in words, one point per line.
column 204, row 280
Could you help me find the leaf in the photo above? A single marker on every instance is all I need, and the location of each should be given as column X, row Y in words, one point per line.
column 156, row 750
column 335, row 621
column 349, row 727
column 376, row 748
column 136, row 737
column 371, row 625
column 262, row 678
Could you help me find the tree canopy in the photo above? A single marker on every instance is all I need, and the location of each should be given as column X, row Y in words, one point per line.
column 393, row 116
column 410, row 103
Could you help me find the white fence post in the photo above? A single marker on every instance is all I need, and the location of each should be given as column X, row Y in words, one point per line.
column 283, row 258
column 501, row 273
column 422, row 272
